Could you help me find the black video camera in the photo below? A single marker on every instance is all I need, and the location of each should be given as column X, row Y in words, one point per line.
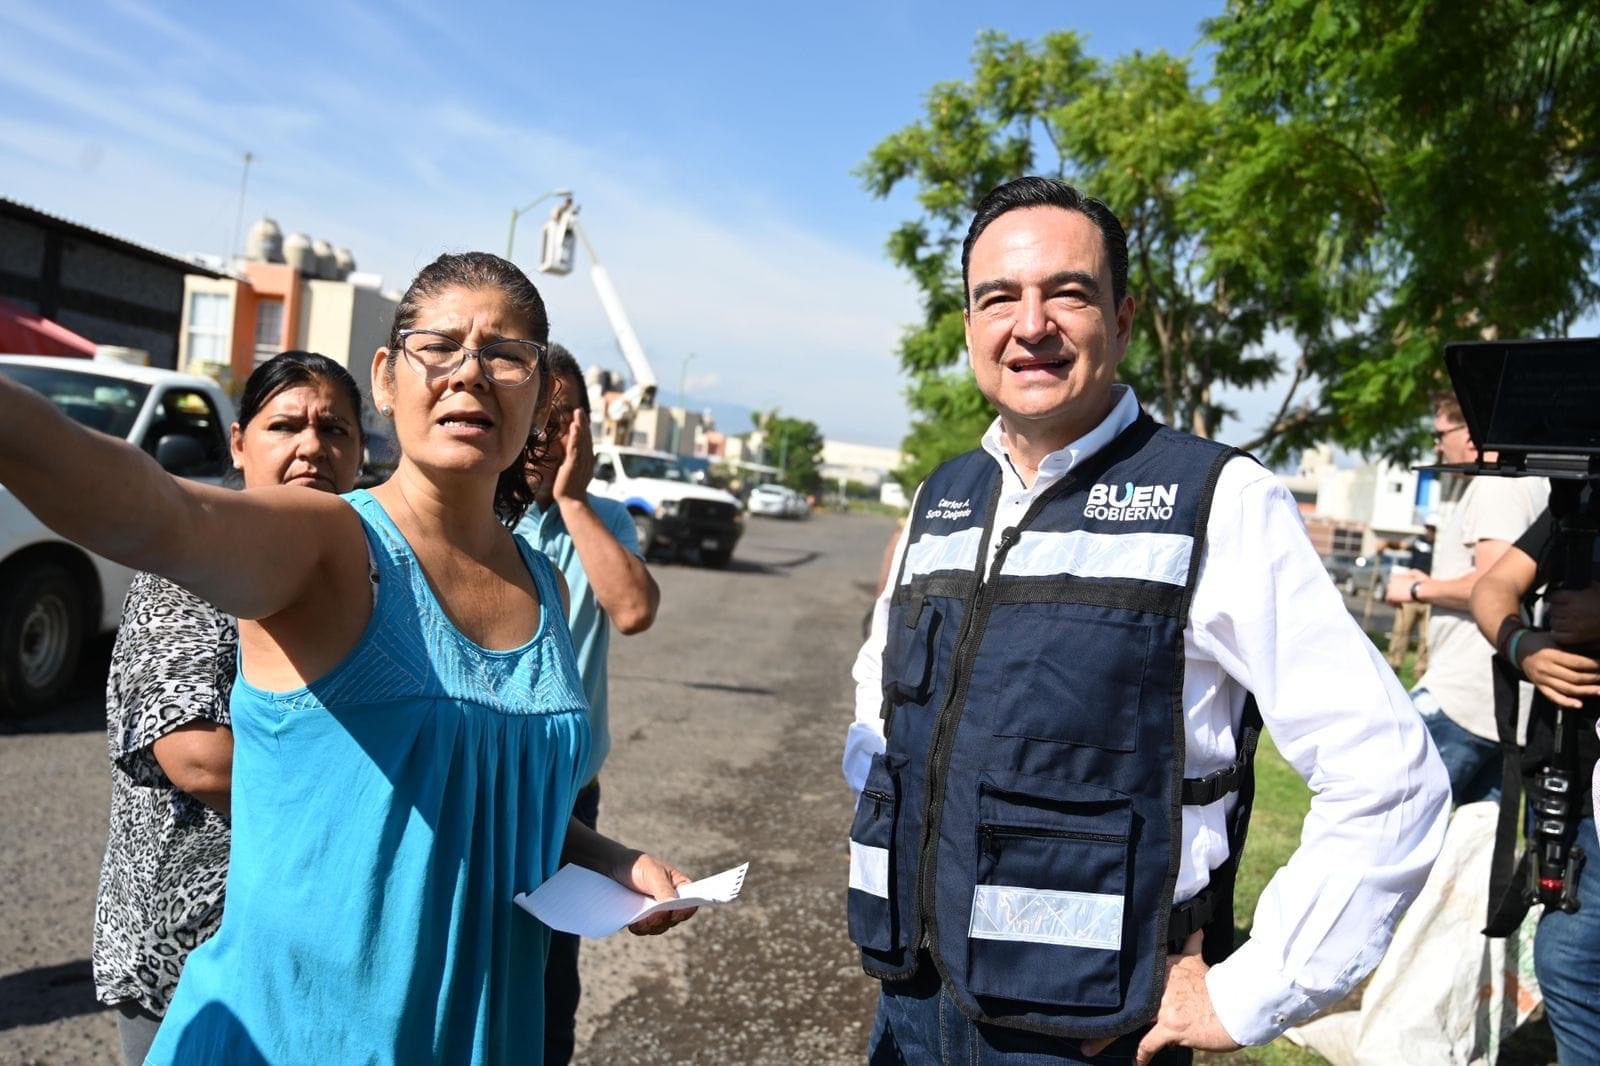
column 1536, row 406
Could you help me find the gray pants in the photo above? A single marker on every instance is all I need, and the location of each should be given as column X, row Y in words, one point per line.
column 136, row 1029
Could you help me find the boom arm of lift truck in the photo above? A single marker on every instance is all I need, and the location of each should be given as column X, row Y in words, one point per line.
column 559, row 238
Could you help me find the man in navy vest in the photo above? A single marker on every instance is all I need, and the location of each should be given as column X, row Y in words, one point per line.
column 1088, row 619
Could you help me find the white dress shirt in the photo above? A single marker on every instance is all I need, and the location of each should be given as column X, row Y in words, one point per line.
column 1265, row 619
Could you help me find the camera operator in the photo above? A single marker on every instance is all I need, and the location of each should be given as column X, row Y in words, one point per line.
column 1562, row 663
column 1455, row 695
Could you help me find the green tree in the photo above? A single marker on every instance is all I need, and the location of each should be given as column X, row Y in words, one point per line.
column 1412, row 172
column 794, row 445
column 1139, row 134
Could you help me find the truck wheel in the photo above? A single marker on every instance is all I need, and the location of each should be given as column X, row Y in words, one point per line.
column 718, row 558
column 41, row 634
column 644, row 527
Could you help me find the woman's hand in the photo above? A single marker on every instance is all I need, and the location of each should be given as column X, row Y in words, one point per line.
column 1567, row 678
column 659, row 880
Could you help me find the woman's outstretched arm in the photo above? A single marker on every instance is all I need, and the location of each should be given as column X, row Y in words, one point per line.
column 252, row 554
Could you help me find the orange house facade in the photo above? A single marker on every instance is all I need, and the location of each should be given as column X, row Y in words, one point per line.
column 236, row 323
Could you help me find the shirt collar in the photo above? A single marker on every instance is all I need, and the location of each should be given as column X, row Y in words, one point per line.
column 1055, row 465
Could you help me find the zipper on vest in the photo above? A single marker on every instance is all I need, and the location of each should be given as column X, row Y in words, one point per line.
column 990, row 832
column 961, row 667
column 878, row 798
column 963, row 658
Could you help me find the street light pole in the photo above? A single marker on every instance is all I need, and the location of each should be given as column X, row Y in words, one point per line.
column 511, row 234
column 683, row 403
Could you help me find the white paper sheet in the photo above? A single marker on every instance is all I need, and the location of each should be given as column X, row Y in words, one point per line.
column 579, row 900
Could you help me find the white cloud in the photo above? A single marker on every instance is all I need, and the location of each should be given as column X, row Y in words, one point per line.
column 776, row 314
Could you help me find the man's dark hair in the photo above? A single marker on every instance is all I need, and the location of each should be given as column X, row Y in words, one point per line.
column 561, row 364
column 1049, row 192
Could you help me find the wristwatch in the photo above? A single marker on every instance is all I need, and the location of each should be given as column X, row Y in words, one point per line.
column 1416, row 590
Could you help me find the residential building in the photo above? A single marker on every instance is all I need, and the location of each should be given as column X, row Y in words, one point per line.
column 1359, row 506
column 866, row 464
column 671, row 429
column 285, row 293
column 106, row 289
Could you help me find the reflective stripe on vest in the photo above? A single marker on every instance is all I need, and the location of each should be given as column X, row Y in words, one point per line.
column 1023, row 825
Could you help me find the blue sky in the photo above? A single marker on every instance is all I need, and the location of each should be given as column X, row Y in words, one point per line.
column 710, row 146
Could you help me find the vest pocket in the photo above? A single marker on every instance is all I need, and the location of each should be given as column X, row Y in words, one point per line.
column 909, row 651
column 874, row 916
column 1062, row 677
column 1047, row 920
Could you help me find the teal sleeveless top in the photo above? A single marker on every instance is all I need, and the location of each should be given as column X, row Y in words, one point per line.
column 383, row 819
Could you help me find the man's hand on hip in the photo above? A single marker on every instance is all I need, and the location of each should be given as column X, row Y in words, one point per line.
column 577, row 467
column 1186, row 1017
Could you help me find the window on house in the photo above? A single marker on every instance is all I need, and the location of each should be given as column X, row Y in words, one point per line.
column 269, row 329
column 1346, row 540
column 208, row 327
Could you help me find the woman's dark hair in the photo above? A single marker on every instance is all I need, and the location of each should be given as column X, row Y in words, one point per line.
column 288, row 370
column 483, row 270
column 561, row 364
column 1049, row 192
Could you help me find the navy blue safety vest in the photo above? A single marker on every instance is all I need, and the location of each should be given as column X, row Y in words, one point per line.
column 1024, row 823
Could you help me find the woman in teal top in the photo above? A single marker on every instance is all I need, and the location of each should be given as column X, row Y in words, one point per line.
column 408, row 721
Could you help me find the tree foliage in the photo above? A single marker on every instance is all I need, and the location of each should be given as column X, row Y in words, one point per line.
column 1138, row 133
column 1361, row 183
column 794, row 445
column 1417, row 172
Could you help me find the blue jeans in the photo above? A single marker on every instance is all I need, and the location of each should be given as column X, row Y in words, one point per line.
column 1566, row 959
column 1472, row 762
column 561, row 986
column 919, row 1023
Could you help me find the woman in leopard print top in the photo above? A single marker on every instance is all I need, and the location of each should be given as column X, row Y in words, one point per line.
column 172, row 670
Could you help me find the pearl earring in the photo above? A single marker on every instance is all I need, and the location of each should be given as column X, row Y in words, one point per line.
column 386, row 411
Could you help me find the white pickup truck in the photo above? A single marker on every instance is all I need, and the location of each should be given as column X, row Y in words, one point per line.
column 53, row 594
column 669, row 510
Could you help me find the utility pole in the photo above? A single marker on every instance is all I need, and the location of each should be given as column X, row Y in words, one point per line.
column 238, row 218
column 516, row 213
column 683, row 403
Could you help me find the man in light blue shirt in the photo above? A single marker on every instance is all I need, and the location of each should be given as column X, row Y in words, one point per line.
column 592, row 541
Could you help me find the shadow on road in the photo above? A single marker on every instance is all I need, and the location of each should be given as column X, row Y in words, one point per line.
column 83, row 708
column 740, row 565
column 708, row 686
column 46, row 994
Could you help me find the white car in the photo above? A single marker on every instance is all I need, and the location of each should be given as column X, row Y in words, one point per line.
column 53, row 593
column 669, row 510
column 777, row 501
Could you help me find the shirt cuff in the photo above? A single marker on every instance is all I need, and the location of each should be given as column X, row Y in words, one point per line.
column 861, row 743
column 1254, row 1002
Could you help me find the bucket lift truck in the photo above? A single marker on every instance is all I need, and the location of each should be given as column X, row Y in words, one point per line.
column 557, row 252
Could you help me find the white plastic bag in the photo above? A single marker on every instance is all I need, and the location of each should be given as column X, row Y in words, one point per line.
column 1444, row 992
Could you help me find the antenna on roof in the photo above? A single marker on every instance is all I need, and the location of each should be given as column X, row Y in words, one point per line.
column 238, row 218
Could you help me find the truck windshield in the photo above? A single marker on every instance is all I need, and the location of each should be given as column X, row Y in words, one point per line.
column 108, row 404
column 656, row 466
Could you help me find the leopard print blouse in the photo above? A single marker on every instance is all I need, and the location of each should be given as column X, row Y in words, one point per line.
column 166, row 853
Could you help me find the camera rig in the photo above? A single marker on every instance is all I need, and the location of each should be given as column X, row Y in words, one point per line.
column 1535, row 406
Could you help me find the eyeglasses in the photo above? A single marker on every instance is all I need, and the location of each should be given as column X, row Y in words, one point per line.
column 508, row 363
column 1440, row 434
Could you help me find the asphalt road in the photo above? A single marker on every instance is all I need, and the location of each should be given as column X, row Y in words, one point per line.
column 727, row 717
